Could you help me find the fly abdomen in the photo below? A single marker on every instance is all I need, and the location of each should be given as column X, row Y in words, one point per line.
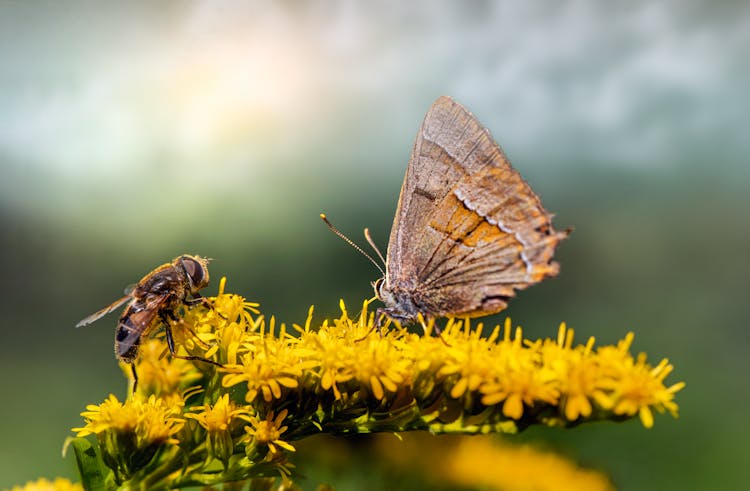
column 126, row 350
column 133, row 324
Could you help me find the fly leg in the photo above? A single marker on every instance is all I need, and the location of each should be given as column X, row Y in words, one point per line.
column 135, row 376
column 200, row 299
column 170, row 342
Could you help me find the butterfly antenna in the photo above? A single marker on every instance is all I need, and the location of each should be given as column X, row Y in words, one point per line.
column 372, row 244
column 351, row 242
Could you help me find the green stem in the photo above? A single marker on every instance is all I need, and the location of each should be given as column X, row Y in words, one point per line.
column 174, row 464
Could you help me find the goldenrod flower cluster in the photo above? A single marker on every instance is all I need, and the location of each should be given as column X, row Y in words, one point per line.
column 194, row 423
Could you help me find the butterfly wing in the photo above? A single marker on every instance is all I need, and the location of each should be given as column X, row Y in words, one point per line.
column 468, row 230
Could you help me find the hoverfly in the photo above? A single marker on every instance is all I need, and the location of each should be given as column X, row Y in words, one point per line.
column 155, row 299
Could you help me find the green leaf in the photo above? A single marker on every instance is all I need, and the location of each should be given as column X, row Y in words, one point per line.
column 90, row 465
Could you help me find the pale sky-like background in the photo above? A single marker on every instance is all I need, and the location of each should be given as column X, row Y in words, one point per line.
column 235, row 91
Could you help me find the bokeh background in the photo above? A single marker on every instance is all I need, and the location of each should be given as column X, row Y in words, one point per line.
column 133, row 132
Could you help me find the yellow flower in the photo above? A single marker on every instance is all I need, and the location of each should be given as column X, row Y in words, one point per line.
column 507, row 467
column 224, row 326
column 518, row 376
column 346, row 377
column 377, row 365
column 270, row 364
column 334, row 353
column 642, row 389
column 130, row 434
column 465, row 356
column 219, row 421
column 266, row 433
column 229, row 306
column 484, row 462
column 160, row 374
column 59, row 484
column 581, row 380
column 218, row 417
column 214, row 329
column 152, row 420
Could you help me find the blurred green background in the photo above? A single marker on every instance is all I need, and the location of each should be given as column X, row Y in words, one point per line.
column 132, row 133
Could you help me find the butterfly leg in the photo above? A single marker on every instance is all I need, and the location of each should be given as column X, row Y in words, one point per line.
column 436, row 330
column 439, row 332
column 379, row 313
column 377, row 325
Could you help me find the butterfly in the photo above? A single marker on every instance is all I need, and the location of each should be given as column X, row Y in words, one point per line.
column 468, row 230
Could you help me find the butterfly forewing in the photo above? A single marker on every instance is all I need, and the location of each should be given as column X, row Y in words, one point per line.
column 468, row 230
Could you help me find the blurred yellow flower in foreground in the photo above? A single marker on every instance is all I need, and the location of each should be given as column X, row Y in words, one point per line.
column 58, row 484
column 487, row 462
column 277, row 387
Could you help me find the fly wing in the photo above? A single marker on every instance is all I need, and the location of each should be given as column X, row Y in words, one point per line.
column 106, row 310
column 468, row 230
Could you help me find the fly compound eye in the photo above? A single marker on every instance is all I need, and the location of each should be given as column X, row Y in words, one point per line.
column 196, row 270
